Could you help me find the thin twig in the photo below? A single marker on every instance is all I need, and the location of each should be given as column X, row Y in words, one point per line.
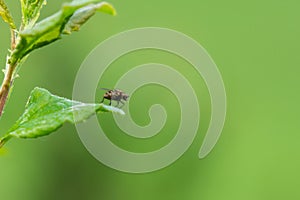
column 8, row 78
column 12, row 39
column 6, row 85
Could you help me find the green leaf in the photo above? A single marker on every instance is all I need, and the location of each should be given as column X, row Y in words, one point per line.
column 6, row 16
column 83, row 14
column 31, row 12
column 45, row 113
column 51, row 28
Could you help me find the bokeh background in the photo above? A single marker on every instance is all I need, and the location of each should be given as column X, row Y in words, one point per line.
column 256, row 46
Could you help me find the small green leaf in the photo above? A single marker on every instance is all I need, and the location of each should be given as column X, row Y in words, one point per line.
column 83, row 14
column 51, row 28
column 31, row 12
column 45, row 113
column 6, row 16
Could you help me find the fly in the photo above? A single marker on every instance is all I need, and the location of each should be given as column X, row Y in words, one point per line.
column 115, row 95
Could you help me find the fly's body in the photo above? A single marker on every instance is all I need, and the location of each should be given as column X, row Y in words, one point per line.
column 115, row 95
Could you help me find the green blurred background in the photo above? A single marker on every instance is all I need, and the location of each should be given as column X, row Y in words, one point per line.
column 255, row 45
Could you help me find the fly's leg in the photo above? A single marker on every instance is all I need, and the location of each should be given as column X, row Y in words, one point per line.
column 122, row 104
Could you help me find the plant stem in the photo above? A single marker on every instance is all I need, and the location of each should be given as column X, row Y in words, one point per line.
column 6, row 85
column 12, row 39
column 8, row 78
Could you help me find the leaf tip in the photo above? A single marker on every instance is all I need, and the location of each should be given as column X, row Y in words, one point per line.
column 4, row 139
column 112, row 109
column 107, row 8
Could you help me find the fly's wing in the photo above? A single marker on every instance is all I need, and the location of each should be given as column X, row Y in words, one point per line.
column 106, row 89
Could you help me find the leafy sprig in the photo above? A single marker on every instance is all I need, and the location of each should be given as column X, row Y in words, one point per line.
column 45, row 112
